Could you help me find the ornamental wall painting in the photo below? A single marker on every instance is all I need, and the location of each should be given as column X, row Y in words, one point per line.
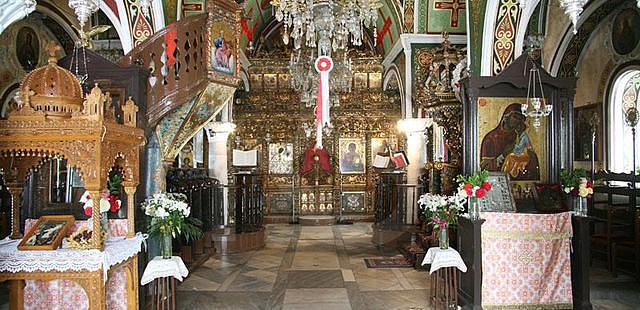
column 280, row 158
column 504, row 34
column 588, row 119
column 222, row 50
column 625, row 32
column 438, row 16
column 508, row 142
column 224, row 40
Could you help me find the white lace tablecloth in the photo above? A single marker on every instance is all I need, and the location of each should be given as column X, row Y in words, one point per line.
column 116, row 250
column 439, row 258
column 159, row 267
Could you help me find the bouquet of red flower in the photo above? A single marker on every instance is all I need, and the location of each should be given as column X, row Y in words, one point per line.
column 109, row 198
column 475, row 185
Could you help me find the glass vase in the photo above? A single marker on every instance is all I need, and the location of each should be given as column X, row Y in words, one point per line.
column 166, row 244
column 474, row 208
column 581, row 206
column 443, row 238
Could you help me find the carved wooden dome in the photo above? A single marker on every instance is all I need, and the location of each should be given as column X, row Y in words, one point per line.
column 52, row 89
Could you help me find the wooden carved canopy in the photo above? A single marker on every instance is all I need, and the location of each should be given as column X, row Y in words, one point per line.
column 438, row 70
column 89, row 139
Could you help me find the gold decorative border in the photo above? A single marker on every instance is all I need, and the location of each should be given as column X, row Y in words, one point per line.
column 526, row 235
column 529, row 306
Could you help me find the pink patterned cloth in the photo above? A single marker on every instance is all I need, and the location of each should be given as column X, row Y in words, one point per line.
column 526, row 260
column 65, row 294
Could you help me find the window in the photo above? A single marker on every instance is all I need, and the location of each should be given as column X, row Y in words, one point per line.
column 624, row 95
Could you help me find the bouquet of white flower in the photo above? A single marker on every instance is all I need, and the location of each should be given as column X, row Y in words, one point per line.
column 441, row 210
column 169, row 214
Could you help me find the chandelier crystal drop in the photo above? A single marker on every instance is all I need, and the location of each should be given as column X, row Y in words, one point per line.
column 325, row 24
column 83, row 10
column 536, row 99
column 573, row 9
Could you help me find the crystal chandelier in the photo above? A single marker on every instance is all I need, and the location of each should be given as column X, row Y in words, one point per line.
column 573, row 9
column 83, row 10
column 304, row 77
column 540, row 108
column 326, row 24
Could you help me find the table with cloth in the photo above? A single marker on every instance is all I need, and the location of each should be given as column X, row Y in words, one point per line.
column 526, row 260
column 74, row 278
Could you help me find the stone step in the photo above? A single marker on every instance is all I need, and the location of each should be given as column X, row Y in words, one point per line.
column 317, row 220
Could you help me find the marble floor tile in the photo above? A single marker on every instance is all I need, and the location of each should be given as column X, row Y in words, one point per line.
column 386, row 300
column 317, row 306
column 377, row 280
column 347, row 275
column 316, row 295
column 316, row 233
column 222, row 300
column 198, row 283
column 315, row 279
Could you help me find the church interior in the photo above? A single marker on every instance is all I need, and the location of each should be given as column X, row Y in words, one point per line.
column 319, row 154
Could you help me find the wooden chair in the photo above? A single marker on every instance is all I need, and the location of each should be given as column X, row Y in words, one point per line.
column 615, row 221
column 629, row 245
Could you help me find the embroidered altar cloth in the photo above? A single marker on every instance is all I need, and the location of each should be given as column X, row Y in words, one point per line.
column 116, row 250
column 526, row 260
column 66, row 294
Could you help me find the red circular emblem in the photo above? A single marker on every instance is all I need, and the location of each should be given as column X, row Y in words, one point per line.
column 324, row 64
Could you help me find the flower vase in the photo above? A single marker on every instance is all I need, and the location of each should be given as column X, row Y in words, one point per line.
column 166, row 244
column 104, row 225
column 581, row 206
column 443, row 238
column 474, row 208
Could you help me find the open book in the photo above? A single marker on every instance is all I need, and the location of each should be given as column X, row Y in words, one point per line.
column 245, row 158
column 381, row 162
column 400, row 159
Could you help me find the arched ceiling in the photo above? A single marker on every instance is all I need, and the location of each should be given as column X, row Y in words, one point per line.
column 259, row 20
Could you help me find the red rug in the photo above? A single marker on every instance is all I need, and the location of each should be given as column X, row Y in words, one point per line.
column 388, row 262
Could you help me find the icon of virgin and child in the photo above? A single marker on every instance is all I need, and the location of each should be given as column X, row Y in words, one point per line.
column 508, row 148
column 222, row 58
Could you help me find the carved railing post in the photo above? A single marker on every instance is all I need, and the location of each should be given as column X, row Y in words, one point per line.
column 16, row 192
column 131, row 191
column 96, row 236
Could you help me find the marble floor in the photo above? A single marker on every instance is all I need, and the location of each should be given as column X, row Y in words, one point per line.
column 309, row 268
column 305, row 267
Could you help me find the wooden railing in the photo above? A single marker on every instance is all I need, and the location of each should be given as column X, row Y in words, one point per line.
column 396, row 202
column 248, row 202
column 204, row 195
column 177, row 59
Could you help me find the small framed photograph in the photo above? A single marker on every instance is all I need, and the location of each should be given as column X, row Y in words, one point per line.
column 47, row 233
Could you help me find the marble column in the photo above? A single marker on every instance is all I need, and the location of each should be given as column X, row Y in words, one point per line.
column 155, row 172
column 414, row 129
column 218, row 132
